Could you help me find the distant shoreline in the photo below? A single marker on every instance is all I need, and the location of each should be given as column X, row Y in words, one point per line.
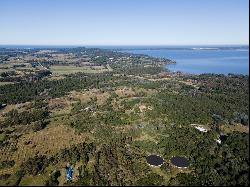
column 137, row 47
column 170, row 49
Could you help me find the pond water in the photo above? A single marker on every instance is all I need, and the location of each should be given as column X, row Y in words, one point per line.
column 180, row 161
column 155, row 160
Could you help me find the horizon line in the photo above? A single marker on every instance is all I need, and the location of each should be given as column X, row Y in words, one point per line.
column 121, row 44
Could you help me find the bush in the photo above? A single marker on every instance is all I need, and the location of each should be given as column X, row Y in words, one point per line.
column 35, row 165
column 7, row 164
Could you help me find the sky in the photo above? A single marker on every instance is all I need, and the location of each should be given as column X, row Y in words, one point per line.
column 124, row 22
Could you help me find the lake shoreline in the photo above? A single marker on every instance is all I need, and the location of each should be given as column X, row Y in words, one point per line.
column 201, row 60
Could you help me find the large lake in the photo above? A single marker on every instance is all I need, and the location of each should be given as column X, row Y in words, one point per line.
column 202, row 60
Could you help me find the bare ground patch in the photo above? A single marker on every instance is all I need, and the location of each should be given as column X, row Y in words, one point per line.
column 125, row 92
column 236, row 127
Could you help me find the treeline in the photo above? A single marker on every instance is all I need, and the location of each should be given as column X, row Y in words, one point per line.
column 223, row 96
column 27, row 91
column 11, row 76
column 26, row 117
column 221, row 84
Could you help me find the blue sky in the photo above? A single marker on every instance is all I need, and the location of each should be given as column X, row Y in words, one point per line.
column 124, row 22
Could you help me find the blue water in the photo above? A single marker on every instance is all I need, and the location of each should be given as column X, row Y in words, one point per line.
column 219, row 61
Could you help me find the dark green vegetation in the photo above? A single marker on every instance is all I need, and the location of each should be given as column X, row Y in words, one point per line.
column 228, row 164
column 124, row 115
column 27, row 91
column 25, row 117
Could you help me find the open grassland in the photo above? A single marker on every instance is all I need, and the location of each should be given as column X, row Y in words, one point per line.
column 48, row 141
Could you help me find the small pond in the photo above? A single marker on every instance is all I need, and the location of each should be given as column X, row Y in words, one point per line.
column 180, row 161
column 155, row 160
